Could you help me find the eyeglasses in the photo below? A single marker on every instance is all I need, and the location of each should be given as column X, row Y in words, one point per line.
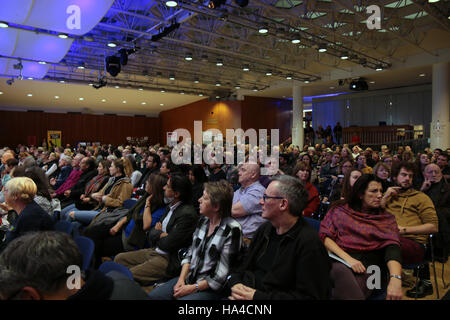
column 265, row 197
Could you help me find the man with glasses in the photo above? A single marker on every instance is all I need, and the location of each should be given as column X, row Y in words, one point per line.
column 286, row 259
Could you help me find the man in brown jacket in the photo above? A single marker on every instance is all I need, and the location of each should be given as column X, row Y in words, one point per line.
column 416, row 218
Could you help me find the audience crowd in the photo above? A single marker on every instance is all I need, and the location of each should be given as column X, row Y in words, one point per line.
column 222, row 231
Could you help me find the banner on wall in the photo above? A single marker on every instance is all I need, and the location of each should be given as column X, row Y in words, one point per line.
column 54, row 138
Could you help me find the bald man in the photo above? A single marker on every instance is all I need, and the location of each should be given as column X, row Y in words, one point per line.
column 246, row 201
column 438, row 190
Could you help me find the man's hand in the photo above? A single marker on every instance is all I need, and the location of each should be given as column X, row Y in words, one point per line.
column 241, row 292
column 425, row 185
column 52, row 181
column 184, row 290
column 158, row 226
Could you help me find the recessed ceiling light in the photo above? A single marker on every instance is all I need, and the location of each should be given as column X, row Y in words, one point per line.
column 29, row 95
column 263, row 30
column 237, row 86
column 217, row 97
column 188, row 56
column 255, row 89
column 322, row 48
column 56, row 97
column 3, row 25
column 163, row 90
column 218, row 84
column 344, row 56
column 161, row 104
column 140, row 88
column 289, row 77
column 181, row 92
column 91, row 84
column 124, row 101
column 112, row 45
column 295, row 41
column 42, row 62
column 1, row 92
column 245, row 68
column 30, row 78
column 219, row 62
column 172, row 77
column 200, row 94
column 62, row 81
column 81, row 99
column 269, row 73
column 433, row 1
column 422, row 75
column 171, row 3
column 143, row 102
column 306, row 81
column 103, row 100
column 63, row 35
column 117, row 87
column 331, row 87
column 372, row 82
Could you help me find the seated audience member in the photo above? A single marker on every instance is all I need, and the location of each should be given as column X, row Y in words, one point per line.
column 35, row 267
column 284, row 163
column 19, row 195
column 416, row 218
column 344, row 232
column 10, row 164
column 329, row 173
column 214, row 251
column 88, row 171
column 346, row 154
column 382, row 173
column 167, row 237
column 303, row 172
column 43, row 197
column 114, row 193
column 362, row 165
column 129, row 233
column 438, row 190
column 420, row 163
column 131, row 169
column 65, row 169
column 286, row 259
column 73, row 177
column 442, row 162
column 246, row 207
column 85, row 202
column 216, row 173
column 197, row 177
column 306, row 158
column 50, row 166
column 388, row 160
column 152, row 165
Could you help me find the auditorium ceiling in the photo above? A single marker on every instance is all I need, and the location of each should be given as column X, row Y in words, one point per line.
column 192, row 51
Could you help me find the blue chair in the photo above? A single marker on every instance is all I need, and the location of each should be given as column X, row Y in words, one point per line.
column 64, row 226
column 86, row 247
column 109, row 266
column 313, row 223
column 129, row 203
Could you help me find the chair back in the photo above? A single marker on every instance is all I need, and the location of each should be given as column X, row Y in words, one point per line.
column 129, row 203
column 109, row 266
column 313, row 223
column 86, row 247
column 64, row 226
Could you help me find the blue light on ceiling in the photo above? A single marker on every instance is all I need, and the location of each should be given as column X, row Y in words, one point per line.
column 75, row 17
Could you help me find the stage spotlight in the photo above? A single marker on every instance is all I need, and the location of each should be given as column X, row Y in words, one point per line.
column 113, row 65
column 101, row 83
column 358, row 85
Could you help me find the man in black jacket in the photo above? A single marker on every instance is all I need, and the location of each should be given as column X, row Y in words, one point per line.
column 167, row 237
column 286, row 259
column 46, row 266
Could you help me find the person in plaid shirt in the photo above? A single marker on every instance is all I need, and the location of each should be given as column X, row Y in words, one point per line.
column 214, row 251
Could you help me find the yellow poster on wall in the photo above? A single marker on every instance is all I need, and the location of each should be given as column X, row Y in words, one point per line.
column 54, row 138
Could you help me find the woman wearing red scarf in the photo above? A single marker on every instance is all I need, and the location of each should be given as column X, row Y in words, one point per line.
column 361, row 233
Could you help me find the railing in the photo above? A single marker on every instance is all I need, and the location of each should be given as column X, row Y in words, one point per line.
column 392, row 136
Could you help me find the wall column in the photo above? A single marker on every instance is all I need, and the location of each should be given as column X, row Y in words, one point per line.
column 297, row 117
column 440, row 111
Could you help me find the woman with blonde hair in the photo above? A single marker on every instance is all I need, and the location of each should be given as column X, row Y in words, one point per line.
column 19, row 195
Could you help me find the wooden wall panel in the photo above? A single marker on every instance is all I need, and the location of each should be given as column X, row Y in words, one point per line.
column 16, row 126
column 220, row 115
column 267, row 113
